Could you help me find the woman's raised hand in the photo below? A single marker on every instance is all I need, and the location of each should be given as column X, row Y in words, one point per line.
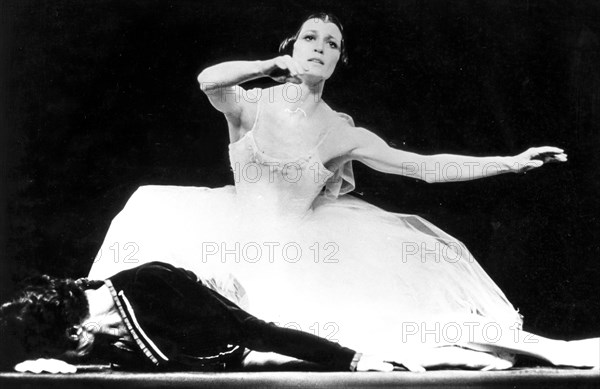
column 284, row 69
column 535, row 157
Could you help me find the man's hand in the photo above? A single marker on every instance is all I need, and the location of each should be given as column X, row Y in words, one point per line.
column 45, row 365
column 373, row 363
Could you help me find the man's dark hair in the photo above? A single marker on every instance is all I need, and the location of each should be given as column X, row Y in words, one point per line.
column 35, row 322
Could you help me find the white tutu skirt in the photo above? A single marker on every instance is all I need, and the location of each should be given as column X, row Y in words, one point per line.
column 347, row 271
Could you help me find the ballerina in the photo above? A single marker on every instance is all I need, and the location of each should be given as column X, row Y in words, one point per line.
column 313, row 257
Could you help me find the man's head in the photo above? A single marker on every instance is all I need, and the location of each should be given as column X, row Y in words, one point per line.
column 38, row 321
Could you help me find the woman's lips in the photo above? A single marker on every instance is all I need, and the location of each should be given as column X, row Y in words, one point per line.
column 316, row 60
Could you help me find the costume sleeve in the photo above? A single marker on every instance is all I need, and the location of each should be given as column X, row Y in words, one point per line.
column 262, row 336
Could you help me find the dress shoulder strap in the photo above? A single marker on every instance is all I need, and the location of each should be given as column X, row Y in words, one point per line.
column 258, row 107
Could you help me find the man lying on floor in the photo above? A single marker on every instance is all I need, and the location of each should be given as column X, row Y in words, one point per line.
column 152, row 317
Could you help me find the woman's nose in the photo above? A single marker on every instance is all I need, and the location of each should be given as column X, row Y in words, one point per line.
column 319, row 46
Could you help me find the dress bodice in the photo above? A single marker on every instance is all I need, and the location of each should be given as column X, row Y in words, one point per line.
column 276, row 186
column 285, row 187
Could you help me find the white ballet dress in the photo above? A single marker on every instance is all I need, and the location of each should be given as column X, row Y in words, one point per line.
column 289, row 244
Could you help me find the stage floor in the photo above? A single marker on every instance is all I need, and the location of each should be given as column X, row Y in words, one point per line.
column 514, row 378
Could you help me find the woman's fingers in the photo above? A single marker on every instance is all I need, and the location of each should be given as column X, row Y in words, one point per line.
column 556, row 158
column 287, row 70
column 549, row 149
column 291, row 67
column 296, row 69
column 535, row 157
column 544, row 152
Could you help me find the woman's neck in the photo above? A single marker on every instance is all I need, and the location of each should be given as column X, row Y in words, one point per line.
column 308, row 97
column 313, row 90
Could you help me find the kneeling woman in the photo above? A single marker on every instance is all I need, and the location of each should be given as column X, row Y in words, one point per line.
column 156, row 317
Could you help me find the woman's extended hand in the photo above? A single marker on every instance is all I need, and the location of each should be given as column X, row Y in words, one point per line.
column 45, row 365
column 535, row 157
column 284, row 69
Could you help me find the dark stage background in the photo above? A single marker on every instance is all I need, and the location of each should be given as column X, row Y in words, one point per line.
column 100, row 97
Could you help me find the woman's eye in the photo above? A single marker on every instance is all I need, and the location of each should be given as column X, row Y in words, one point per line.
column 333, row 45
column 309, row 37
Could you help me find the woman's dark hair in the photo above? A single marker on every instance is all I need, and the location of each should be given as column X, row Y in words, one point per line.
column 38, row 317
column 286, row 45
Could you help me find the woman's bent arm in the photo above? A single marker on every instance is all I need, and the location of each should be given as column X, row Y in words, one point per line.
column 228, row 74
column 220, row 83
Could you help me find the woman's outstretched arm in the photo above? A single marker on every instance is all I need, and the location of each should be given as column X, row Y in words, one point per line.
column 377, row 154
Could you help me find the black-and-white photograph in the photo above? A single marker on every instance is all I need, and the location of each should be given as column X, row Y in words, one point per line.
column 269, row 193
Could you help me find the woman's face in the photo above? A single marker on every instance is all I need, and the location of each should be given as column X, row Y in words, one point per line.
column 318, row 47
